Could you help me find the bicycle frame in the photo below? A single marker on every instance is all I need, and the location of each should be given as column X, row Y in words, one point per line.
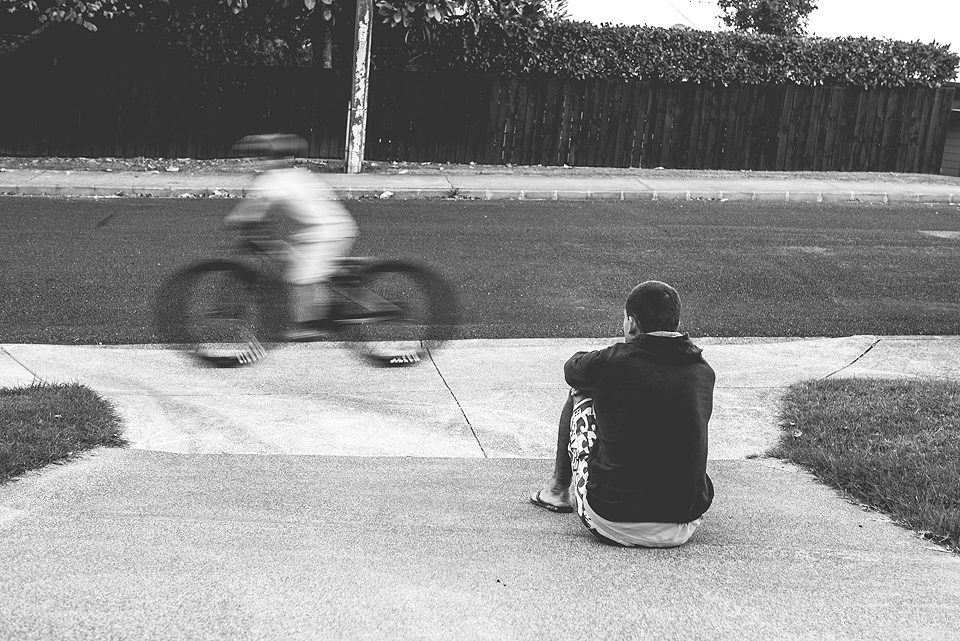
column 345, row 284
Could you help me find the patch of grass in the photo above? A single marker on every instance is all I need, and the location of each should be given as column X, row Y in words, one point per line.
column 44, row 424
column 893, row 445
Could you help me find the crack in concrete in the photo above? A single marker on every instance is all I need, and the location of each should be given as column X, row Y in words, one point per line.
column 637, row 178
column 459, row 406
column 454, row 189
column 851, row 363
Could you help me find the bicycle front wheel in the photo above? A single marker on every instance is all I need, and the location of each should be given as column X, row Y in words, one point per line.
column 216, row 313
column 402, row 312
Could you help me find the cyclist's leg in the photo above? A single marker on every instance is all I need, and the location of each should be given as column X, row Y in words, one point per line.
column 310, row 266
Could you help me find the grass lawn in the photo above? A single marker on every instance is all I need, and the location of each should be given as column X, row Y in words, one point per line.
column 44, row 424
column 893, row 445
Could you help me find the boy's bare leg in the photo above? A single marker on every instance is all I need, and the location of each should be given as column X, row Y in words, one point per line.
column 557, row 490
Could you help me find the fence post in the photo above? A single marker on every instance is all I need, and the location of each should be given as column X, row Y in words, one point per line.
column 357, row 115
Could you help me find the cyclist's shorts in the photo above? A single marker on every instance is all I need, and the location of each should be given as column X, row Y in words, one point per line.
column 315, row 262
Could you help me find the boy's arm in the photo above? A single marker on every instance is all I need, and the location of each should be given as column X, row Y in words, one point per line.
column 254, row 209
column 584, row 370
column 250, row 210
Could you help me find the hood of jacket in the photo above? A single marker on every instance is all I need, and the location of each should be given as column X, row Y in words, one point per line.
column 668, row 347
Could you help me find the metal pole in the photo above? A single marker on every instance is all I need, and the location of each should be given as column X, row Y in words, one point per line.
column 357, row 116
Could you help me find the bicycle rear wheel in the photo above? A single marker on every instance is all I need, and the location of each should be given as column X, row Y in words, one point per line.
column 216, row 313
column 399, row 313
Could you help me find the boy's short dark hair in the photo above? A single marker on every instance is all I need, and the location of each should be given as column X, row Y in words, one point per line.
column 655, row 306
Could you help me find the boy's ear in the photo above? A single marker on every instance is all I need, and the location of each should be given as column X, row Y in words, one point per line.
column 633, row 325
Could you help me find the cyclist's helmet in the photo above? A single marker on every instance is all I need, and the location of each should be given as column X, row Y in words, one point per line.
column 271, row 146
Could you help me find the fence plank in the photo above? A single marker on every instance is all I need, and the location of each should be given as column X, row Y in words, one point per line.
column 625, row 131
column 578, row 122
column 718, row 128
column 692, row 145
column 786, row 114
column 809, row 147
column 685, row 96
column 741, row 138
column 938, row 135
column 869, row 121
column 593, row 126
column 903, row 127
column 545, row 147
column 888, row 142
column 728, row 159
column 709, row 123
column 616, row 129
column 494, row 138
column 846, row 124
column 513, row 115
column 835, row 127
column 566, row 118
column 922, row 162
column 654, row 147
column 670, row 107
column 641, row 126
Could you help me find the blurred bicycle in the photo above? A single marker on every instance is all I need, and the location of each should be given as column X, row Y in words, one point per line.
column 229, row 312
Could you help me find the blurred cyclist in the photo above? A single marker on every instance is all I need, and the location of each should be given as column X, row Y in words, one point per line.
column 321, row 230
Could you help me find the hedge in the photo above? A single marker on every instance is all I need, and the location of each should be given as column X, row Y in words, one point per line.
column 584, row 50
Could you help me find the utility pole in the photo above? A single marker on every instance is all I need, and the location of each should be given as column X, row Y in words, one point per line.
column 357, row 115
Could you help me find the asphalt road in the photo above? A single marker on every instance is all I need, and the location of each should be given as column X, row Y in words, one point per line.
column 86, row 271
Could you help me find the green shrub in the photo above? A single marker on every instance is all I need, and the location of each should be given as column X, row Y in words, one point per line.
column 583, row 50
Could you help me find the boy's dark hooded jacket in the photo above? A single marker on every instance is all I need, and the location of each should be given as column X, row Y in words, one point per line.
column 653, row 397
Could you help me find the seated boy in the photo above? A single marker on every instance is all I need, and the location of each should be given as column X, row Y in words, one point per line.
column 633, row 432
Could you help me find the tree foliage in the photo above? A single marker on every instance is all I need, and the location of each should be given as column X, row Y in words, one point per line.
column 291, row 32
column 86, row 13
column 768, row 17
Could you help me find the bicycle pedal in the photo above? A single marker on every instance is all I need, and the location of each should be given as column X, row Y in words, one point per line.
column 404, row 359
column 255, row 353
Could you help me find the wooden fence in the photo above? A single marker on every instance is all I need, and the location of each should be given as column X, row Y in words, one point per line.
column 549, row 121
column 165, row 112
column 159, row 111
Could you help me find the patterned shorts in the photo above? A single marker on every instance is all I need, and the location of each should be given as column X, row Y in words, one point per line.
column 583, row 434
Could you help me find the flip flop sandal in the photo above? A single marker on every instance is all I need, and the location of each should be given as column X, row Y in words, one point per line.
column 543, row 505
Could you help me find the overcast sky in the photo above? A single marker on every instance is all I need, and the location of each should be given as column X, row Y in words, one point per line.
column 924, row 20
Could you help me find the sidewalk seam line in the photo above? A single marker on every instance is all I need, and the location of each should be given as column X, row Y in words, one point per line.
column 459, row 406
column 872, row 345
column 14, row 359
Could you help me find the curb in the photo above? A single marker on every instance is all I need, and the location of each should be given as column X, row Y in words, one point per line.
column 495, row 194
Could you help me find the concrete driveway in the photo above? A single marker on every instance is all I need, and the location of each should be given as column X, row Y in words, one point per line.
column 390, row 523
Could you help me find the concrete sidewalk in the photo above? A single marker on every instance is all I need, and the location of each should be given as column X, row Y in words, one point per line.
column 556, row 185
column 313, row 497
column 478, row 398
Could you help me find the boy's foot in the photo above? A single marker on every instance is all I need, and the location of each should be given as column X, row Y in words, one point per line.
column 546, row 501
